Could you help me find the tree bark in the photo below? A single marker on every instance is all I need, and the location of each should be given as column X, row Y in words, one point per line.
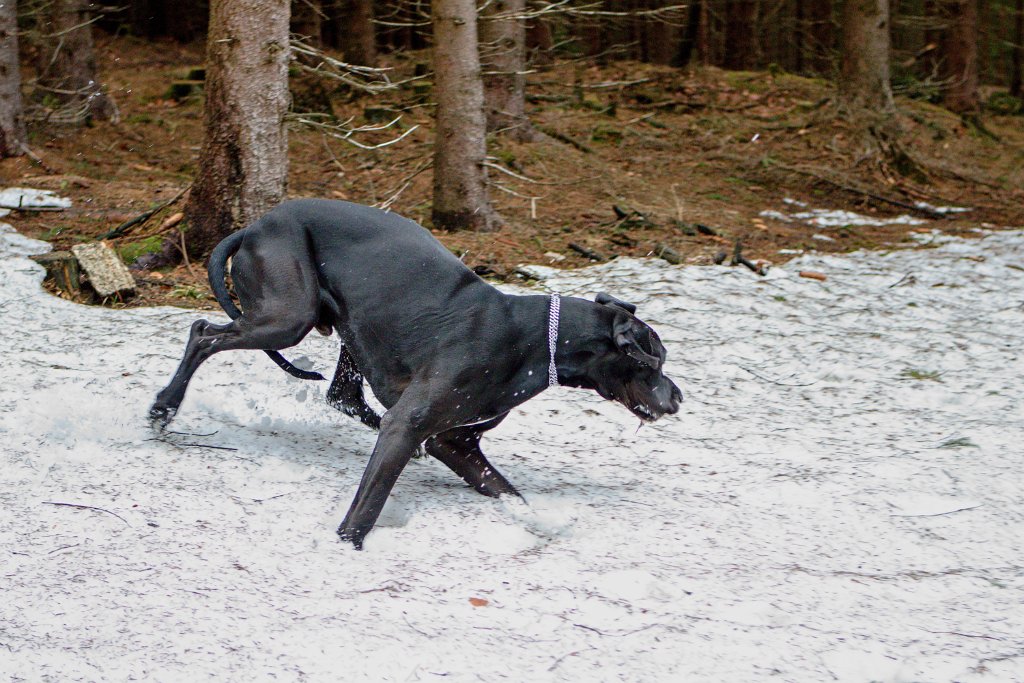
column 864, row 79
column 503, row 57
column 359, row 41
column 460, row 184
column 67, row 63
column 960, row 51
column 690, row 34
column 741, row 48
column 12, row 125
column 1017, row 65
column 243, row 165
column 819, row 37
column 307, row 20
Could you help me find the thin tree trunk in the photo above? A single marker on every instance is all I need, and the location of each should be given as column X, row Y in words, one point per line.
column 690, row 34
column 360, row 39
column 539, row 41
column 1017, row 65
column 12, row 126
column 307, row 20
column 960, row 52
column 460, row 185
column 820, row 37
column 67, row 63
column 503, row 57
column 658, row 37
column 864, row 80
column 741, row 48
column 243, row 165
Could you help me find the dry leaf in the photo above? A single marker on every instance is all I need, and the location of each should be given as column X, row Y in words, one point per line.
column 479, row 602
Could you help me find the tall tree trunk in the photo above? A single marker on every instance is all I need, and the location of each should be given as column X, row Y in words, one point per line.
column 864, row 80
column 12, row 126
column 359, row 40
column 960, row 52
column 67, row 63
column 690, row 34
column 820, row 37
column 243, row 165
column 503, row 57
column 307, row 20
column 658, row 36
column 1017, row 64
column 461, row 201
column 741, row 48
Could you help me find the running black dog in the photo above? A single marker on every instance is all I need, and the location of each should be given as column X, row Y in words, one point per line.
column 446, row 353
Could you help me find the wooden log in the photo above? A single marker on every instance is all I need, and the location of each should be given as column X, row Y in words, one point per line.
column 62, row 268
column 106, row 272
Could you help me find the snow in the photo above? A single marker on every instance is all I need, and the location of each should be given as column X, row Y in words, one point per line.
column 839, row 499
column 23, row 197
column 837, row 218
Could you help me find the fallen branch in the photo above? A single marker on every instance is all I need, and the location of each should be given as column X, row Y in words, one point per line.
column 738, row 258
column 923, row 210
column 141, row 219
column 87, row 507
column 586, row 253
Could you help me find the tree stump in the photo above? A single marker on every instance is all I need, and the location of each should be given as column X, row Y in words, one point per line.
column 62, row 268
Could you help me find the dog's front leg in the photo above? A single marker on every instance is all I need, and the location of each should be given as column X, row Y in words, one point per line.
column 400, row 435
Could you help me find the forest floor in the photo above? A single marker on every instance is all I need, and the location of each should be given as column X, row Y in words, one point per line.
column 680, row 154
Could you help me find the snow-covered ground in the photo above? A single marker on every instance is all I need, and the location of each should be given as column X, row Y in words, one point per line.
column 841, row 497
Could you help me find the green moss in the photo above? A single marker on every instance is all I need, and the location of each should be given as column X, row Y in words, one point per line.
column 131, row 251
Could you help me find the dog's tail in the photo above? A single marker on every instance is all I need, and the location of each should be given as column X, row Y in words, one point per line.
column 216, row 269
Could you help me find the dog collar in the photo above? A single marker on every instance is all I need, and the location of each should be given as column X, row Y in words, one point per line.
column 553, row 312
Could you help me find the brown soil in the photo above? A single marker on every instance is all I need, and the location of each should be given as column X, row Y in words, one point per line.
column 670, row 149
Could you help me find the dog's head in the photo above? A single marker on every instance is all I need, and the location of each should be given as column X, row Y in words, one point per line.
column 625, row 363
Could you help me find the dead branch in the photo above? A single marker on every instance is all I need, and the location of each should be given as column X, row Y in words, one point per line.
column 141, row 219
column 87, row 507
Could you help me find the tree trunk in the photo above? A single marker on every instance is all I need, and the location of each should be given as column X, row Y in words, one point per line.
column 307, row 20
column 539, row 41
column 658, row 36
column 819, row 37
column 460, row 184
column 359, row 41
column 503, row 57
column 12, row 126
column 67, row 63
column 690, row 34
column 864, row 79
column 243, row 165
column 960, row 52
column 741, row 49
column 1017, row 64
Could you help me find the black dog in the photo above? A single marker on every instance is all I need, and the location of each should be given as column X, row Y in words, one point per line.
column 446, row 353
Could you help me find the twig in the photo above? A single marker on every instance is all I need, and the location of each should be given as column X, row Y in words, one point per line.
column 141, row 219
column 184, row 252
column 739, row 258
column 87, row 507
column 586, row 253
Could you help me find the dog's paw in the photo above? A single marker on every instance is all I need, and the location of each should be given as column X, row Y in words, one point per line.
column 353, row 536
column 160, row 416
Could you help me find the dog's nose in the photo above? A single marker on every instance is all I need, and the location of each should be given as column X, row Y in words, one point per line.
column 674, row 401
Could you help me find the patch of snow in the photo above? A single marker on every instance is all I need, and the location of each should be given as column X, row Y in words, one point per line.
column 797, row 520
column 834, row 218
column 24, row 197
column 942, row 209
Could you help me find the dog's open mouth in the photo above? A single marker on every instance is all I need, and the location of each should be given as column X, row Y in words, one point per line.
column 643, row 412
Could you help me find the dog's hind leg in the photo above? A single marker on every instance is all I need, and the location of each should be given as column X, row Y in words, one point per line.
column 346, row 392
column 279, row 297
column 459, row 449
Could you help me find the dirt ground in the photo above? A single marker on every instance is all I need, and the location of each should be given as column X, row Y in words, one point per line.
column 635, row 160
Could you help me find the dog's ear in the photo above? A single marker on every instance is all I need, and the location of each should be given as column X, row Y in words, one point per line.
column 608, row 300
column 625, row 331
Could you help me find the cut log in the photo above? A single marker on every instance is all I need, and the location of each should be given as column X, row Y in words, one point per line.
column 106, row 272
column 62, row 268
